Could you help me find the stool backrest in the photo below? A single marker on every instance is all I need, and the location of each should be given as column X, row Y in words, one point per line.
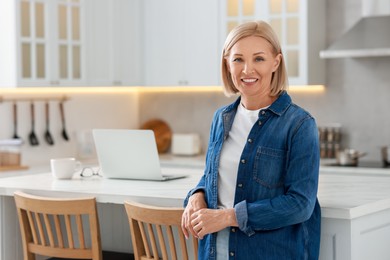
column 156, row 233
column 59, row 227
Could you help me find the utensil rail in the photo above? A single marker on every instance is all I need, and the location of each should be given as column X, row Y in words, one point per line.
column 31, row 99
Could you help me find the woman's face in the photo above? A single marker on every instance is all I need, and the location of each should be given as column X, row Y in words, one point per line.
column 251, row 64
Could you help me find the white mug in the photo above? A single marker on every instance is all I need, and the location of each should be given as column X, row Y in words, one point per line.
column 64, row 168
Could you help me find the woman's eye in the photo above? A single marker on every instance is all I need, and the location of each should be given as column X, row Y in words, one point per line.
column 259, row 59
column 237, row 59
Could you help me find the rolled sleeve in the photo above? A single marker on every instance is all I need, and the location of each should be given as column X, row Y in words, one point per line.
column 242, row 218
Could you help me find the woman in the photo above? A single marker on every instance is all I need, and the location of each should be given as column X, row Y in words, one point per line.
column 257, row 198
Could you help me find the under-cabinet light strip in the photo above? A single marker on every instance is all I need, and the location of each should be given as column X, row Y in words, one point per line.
column 115, row 90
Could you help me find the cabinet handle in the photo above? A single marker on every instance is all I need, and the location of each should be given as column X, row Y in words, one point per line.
column 117, row 83
column 183, row 82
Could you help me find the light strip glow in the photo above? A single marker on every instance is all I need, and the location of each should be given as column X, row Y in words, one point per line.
column 119, row 90
column 307, row 89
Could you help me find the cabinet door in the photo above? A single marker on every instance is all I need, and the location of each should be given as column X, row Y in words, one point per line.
column 125, row 44
column 202, row 46
column 112, row 42
column 97, row 42
column 290, row 20
column 67, row 58
column 163, row 41
column 33, row 41
column 181, row 42
column 50, row 42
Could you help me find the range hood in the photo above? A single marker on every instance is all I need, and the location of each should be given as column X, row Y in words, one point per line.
column 369, row 37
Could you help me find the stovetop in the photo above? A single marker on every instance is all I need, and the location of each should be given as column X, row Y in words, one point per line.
column 363, row 164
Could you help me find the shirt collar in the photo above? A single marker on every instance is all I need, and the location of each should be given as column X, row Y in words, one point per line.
column 278, row 107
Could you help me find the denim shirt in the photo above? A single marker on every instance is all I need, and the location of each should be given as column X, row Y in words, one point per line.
column 275, row 199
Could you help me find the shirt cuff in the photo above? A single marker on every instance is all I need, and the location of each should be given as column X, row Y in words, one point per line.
column 242, row 218
column 192, row 192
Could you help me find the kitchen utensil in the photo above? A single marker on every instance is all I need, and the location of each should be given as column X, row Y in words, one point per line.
column 348, row 157
column 385, row 152
column 33, row 137
column 64, row 133
column 15, row 116
column 162, row 133
column 48, row 137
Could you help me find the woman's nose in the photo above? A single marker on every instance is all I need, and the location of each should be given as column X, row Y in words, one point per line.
column 248, row 68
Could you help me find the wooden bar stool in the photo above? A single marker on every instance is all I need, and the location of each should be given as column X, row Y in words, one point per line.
column 156, row 233
column 59, row 227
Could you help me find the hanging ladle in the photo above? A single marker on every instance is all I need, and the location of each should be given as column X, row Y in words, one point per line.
column 48, row 137
column 32, row 137
column 15, row 116
column 64, row 134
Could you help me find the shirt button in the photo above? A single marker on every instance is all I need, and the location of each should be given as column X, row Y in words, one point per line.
column 250, row 140
column 233, row 230
column 243, row 161
column 231, row 253
column 263, row 112
column 240, row 185
column 259, row 123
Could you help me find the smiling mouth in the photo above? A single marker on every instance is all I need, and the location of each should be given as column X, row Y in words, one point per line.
column 248, row 80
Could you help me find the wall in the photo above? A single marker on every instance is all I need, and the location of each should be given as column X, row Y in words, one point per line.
column 83, row 112
column 356, row 96
column 185, row 112
column 357, row 90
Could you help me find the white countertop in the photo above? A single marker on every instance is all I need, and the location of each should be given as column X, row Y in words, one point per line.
column 348, row 195
column 167, row 193
column 344, row 192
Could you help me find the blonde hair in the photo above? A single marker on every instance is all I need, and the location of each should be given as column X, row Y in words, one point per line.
column 262, row 29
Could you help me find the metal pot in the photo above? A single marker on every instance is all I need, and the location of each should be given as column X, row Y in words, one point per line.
column 348, row 157
column 385, row 151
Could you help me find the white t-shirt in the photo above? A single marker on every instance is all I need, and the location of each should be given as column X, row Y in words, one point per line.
column 231, row 153
column 228, row 168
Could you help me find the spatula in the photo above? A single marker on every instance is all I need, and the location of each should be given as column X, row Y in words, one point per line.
column 33, row 137
column 64, row 133
column 48, row 137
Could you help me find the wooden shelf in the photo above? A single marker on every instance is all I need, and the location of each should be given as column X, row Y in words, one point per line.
column 13, row 168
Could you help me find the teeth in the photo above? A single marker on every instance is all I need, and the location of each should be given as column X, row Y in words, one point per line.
column 249, row 80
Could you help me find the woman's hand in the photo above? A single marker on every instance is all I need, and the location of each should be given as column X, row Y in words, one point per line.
column 207, row 221
column 195, row 203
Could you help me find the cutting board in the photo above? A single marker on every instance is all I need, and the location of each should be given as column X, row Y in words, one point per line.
column 162, row 132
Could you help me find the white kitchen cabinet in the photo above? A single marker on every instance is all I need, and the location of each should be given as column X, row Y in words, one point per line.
column 181, row 42
column 300, row 25
column 41, row 43
column 113, row 41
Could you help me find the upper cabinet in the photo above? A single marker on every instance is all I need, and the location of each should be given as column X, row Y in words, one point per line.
column 70, row 43
column 147, row 42
column 181, row 42
column 42, row 43
column 113, row 56
column 300, row 26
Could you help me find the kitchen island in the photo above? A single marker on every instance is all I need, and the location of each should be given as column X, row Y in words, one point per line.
column 355, row 207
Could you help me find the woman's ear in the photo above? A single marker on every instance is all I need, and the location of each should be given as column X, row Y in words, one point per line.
column 278, row 59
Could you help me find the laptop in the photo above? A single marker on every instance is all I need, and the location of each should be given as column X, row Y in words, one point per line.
column 129, row 154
